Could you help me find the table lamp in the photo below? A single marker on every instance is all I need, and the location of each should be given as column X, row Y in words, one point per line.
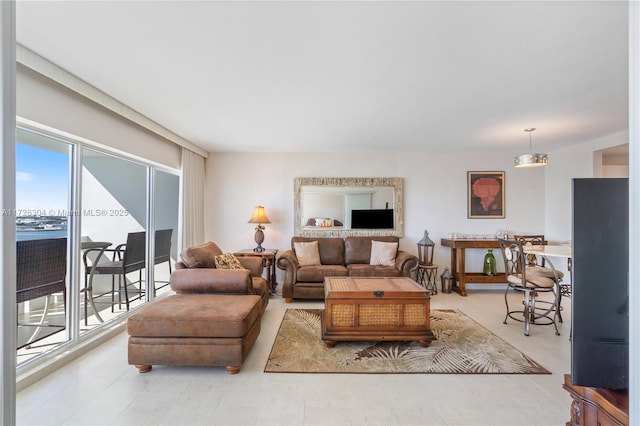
column 259, row 216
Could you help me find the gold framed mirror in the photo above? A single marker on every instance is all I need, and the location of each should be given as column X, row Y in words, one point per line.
column 338, row 207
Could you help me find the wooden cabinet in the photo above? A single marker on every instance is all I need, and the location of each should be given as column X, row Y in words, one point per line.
column 597, row 406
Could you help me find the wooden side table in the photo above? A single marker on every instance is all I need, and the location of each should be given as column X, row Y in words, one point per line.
column 268, row 261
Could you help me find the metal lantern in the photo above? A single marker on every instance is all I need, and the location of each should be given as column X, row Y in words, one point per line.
column 425, row 249
column 446, row 280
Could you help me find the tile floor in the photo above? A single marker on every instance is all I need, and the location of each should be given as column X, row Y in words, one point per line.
column 101, row 388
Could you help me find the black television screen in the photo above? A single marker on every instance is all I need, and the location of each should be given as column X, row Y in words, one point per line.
column 600, row 296
column 372, row 219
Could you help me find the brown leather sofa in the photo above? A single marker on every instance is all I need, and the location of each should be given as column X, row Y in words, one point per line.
column 213, row 319
column 338, row 257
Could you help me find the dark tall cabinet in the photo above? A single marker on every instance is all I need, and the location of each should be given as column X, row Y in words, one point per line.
column 600, row 305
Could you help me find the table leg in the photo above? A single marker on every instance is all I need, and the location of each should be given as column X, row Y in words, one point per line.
column 463, row 278
column 268, row 263
column 457, row 270
column 454, row 269
column 454, row 263
column 274, row 280
column 430, row 282
column 89, row 294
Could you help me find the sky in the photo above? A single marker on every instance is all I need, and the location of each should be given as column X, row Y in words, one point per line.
column 42, row 179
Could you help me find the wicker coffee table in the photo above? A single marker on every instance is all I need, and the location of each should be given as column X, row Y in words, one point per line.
column 376, row 309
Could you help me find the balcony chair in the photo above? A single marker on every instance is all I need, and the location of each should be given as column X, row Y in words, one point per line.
column 126, row 258
column 41, row 270
column 531, row 281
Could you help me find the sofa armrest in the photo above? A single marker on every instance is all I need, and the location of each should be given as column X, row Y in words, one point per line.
column 288, row 261
column 211, row 280
column 406, row 262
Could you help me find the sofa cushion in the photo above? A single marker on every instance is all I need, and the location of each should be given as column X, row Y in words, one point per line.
column 196, row 315
column 307, row 253
column 331, row 249
column 532, row 280
column 544, row 271
column 227, row 261
column 383, row 253
column 358, row 249
column 201, row 256
column 365, row 270
column 316, row 274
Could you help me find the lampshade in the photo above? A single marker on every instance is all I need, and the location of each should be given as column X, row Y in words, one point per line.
column 530, row 160
column 259, row 216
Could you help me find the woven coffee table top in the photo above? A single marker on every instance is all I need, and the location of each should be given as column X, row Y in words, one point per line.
column 362, row 286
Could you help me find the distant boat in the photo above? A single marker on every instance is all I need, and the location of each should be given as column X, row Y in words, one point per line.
column 46, row 223
column 40, row 227
column 49, row 227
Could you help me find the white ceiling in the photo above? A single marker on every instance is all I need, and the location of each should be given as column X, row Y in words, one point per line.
column 350, row 76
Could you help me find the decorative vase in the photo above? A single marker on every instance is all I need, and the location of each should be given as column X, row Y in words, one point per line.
column 489, row 263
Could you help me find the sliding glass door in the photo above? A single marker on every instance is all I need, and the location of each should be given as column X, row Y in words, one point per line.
column 113, row 236
column 97, row 208
column 166, row 190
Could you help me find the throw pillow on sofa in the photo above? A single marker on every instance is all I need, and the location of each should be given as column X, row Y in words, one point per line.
column 383, row 253
column 307, row 253
column 227, row 261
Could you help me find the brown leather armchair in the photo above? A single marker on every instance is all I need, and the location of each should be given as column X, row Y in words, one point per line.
column 213, row 319
column 198, row 265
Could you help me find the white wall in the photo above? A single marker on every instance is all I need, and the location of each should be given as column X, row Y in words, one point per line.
column 538, row 200
column 435, row 194
column 577, row 161
column 615, row 171
column 46, row 102
column 323, row 206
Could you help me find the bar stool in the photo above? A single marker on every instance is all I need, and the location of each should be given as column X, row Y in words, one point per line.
column 427, row 272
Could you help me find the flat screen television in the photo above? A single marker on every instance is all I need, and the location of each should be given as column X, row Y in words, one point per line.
column 372, row 219
column 600, row 295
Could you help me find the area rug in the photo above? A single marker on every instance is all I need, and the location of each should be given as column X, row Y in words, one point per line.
column 462, row 347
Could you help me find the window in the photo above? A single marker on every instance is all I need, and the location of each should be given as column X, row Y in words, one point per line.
column 104, row 211
column 42, row 202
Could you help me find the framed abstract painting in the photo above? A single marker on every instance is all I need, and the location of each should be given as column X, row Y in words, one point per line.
column 485, row 195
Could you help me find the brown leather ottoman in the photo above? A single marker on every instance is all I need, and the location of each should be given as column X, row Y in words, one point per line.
column 195, row 329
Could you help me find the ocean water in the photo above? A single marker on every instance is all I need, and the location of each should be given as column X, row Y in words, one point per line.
column 40, row 235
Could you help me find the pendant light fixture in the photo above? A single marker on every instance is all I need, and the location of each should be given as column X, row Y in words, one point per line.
column 530, row 160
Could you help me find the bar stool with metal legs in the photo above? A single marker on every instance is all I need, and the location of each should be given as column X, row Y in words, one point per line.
column 427, row 272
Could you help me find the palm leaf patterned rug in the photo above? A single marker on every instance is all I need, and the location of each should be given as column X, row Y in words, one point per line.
column 462, row 347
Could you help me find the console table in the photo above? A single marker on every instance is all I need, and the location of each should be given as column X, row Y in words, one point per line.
column 268, row 262
column 458, row 267
column 597, row 406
